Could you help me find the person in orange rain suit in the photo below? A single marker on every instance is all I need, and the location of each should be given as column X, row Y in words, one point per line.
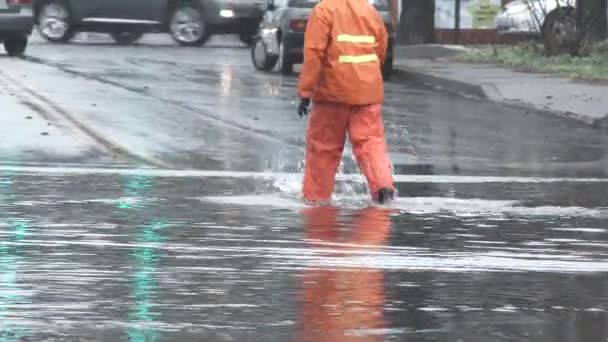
column 344, row 48
column 339, row 304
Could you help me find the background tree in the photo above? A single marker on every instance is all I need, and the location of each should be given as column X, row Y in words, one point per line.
column 417, row 21
column 591, row 15
column 570, row 26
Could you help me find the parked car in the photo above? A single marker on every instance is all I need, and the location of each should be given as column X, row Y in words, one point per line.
column 533, row 17
column 280, row 39
column 16, row 24
column 190, row 23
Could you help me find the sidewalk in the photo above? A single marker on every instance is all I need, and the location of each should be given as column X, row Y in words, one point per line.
column 548, row 93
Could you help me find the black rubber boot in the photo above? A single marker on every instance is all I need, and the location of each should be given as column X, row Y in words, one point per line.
column 386, row 196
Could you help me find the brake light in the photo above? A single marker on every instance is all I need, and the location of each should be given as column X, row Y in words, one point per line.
column 19, row 2
column 297, row 25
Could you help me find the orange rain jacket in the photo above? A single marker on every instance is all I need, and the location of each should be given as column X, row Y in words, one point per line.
column 344, row 48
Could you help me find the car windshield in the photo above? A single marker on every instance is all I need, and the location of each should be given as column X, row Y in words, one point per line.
column 380, row 5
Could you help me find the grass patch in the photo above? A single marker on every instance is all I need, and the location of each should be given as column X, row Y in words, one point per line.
column 529, row 57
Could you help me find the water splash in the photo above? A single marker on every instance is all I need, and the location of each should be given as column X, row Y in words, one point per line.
column 290, row 185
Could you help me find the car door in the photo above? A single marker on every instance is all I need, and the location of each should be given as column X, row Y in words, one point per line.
column 92, row 10
column 281, row 8
column 270, row 25
column 147, row 10
column 268, row 20
column 132, row 10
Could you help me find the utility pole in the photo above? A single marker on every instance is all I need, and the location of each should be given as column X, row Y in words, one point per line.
column 457, row 22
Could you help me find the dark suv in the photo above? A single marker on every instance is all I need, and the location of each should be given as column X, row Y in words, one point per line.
column 280, row 39
column 16, row 22
column 190, row 22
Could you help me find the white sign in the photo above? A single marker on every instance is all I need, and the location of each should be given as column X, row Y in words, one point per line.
column 474, row 14
column 3, row 4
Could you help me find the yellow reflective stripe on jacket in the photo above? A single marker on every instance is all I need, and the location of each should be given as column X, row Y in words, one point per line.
column 356, row 39
column 358, row 59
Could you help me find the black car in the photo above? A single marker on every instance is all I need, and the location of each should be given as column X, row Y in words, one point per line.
column 16, row 23
column 190, row 23
column 280, row 40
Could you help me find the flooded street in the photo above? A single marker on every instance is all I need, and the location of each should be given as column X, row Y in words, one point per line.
column 143, row 258
column 163, row 205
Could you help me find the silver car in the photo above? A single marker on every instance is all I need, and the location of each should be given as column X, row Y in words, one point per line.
column 16, row 23
column 530, row 17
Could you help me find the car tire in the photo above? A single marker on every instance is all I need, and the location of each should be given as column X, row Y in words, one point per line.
column 285, row 64
column 54, row 23
column 387, row 68
column 188, row 27
column 259, row 56
column 15, row 46
column 126, row 37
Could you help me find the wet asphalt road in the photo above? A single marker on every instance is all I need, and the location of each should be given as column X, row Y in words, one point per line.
column 104, row 238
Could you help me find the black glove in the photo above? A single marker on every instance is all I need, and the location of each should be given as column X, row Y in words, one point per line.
column 304, row 107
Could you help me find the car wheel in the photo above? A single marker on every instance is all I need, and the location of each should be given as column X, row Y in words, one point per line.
column 54, row 22
column 260, row 57
column 187, row 26
column 126, row 37
column 15, row 46
column 285, row 64
column 387, row 68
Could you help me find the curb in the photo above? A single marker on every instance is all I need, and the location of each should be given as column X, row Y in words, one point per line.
column 440, row 83
column 488, row 93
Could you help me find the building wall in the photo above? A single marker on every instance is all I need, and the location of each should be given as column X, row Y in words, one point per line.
column 434, row 21
column 474, row 37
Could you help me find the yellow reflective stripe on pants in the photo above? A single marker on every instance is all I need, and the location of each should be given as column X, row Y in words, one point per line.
column 356, row 39
column 358, row 59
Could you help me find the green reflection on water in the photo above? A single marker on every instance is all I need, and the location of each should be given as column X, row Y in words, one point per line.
column 146, row 258
column 133, row 186
column 144, row 284
column 124, row 205
column 10, row 261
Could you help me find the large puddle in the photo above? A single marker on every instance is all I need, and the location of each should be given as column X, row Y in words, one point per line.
column 143, row 258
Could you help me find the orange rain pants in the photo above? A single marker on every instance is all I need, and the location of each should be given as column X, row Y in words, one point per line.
column 327, row 128
column 337, row 302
